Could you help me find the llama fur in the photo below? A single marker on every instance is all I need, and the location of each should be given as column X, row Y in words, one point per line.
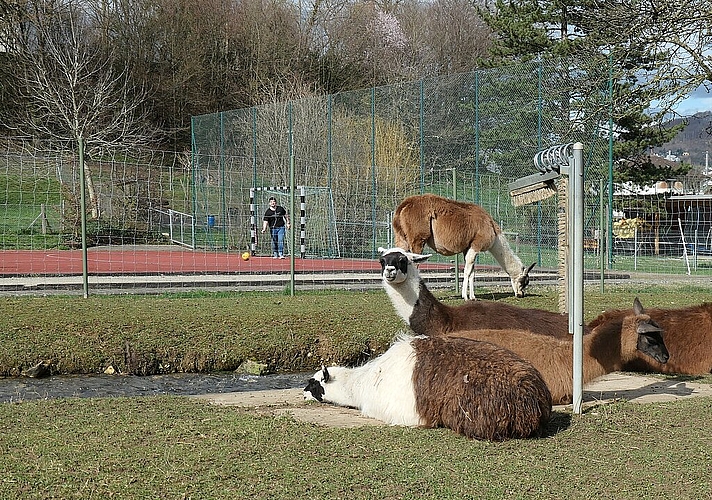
column 606, row 349
column 688, row 338
column 425, row 314
column 450, row 227
column 687, row 331
column 475, row 388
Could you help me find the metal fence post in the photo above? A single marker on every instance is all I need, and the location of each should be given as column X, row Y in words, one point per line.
column 551, row 163
column 83, row 209
column 576, row 185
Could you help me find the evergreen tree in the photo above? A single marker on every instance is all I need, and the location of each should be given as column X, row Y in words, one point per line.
column 583, row 31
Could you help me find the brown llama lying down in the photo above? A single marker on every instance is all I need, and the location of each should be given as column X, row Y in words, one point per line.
column 688, row 337
column 475, row 388
column 426, row 315
column 451, row 227
column 606, row 349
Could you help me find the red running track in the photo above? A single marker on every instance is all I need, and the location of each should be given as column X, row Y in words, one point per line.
column 168, row 261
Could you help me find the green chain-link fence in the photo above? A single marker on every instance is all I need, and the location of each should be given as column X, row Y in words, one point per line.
column 369, row 149
column 355, row 156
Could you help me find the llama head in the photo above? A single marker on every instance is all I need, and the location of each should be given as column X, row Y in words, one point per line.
column 520, row 283
column 315, row 386
column 395, row 263
column 650, row 335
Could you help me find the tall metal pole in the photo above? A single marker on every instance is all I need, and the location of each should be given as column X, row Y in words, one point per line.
column 576, row 182
column 609, row 247
column 374, row 184
column 421, row 123
column 292, row 230
column 329, row 139
column 602, row 234
column 83, row 210
column 457, row 255
column 223, row 196
column 292, row 280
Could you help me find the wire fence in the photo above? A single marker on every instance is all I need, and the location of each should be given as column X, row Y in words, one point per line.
column 354, row 157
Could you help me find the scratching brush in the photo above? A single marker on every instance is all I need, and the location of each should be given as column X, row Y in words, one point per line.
column 538, row 187
column 562, row 227
column 533, row 188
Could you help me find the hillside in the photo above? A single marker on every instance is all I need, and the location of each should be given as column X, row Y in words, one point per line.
column 694, row 140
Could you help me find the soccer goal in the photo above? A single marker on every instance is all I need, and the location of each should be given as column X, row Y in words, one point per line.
column 318, row 235
column 177, row 226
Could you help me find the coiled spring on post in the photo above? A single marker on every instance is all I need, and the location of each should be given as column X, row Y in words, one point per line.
column 552, row 159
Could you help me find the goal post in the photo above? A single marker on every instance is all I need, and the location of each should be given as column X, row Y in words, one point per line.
column 320, row 218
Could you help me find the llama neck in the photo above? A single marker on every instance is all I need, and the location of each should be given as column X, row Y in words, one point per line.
column 503, row 254
column 601, row 353
column 382, row 388
column 404, row 295
column 429, row 316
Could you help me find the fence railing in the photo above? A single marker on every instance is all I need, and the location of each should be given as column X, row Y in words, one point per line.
column 356, row 156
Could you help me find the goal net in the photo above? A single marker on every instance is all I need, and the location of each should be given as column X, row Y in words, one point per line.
column 314, row 220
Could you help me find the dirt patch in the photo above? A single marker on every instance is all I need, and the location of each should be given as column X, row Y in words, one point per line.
column 612, row 387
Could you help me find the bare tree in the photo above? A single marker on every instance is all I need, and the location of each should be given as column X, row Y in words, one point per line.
column 10, row 15
column 367, row 41
column 674, row 36
column 72, row 91
column 447, row 36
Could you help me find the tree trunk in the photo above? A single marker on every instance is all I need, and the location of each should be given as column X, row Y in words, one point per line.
column 91, row 191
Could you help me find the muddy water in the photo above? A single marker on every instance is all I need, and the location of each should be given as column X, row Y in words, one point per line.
column 183, row 384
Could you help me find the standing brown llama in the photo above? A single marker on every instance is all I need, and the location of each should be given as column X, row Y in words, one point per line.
column 450, row 227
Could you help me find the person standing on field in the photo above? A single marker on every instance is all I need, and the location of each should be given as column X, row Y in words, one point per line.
column 276, row 219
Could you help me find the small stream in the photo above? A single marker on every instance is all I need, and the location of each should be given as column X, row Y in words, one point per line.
column 179, row 384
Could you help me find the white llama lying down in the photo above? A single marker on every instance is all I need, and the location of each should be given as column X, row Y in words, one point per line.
column 450, row 227
column 475, row 388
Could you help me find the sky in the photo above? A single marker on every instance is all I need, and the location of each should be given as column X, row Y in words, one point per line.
column 700, row 100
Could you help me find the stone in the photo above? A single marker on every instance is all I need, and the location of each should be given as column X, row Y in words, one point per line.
column 250, row 367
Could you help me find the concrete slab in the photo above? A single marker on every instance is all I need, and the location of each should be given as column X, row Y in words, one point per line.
column 291, row 401
column 642, row 389
column 612, row 387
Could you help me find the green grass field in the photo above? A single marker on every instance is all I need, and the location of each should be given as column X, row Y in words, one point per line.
column 168, row 447
column 178, row 448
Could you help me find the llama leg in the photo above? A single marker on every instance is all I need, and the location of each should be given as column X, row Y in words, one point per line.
column 468, row 278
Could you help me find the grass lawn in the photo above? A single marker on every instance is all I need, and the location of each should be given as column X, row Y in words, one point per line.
column 129, row 448
column 204, row 332
column 172, row 447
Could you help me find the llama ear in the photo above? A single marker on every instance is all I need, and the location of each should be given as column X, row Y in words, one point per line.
column 417, row 259
column 526, row 271
column 325, row 372
column 381, row 250
column 638, row 307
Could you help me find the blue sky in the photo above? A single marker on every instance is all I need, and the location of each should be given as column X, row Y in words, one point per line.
column 699, row 100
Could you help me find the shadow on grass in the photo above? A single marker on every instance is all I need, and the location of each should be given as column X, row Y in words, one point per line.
column 559, row 421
